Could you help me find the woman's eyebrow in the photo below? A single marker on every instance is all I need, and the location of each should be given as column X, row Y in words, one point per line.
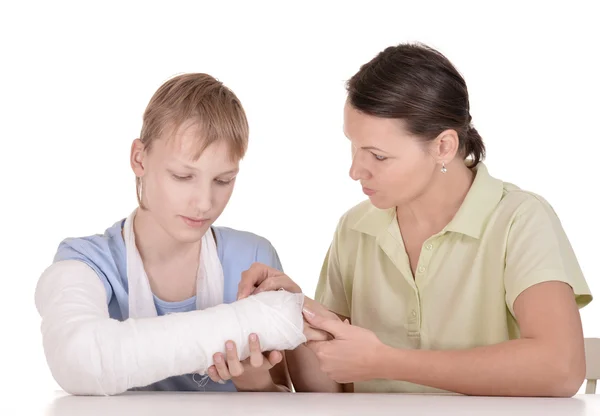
column 373, row 148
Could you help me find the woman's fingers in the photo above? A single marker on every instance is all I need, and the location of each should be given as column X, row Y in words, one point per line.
column 319, row 309
column 313, row 334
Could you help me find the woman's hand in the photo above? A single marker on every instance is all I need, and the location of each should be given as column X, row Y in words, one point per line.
column 311, row 333
column 352, row 355
column 252, row 374
column 261, row 278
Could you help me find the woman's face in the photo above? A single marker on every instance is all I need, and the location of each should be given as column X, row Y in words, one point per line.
column 393, row 166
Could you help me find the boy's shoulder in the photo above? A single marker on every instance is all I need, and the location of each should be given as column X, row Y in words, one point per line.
column 91, row 247
column 231, row 236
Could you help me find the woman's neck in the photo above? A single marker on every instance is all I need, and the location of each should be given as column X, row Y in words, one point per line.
column 436, row 207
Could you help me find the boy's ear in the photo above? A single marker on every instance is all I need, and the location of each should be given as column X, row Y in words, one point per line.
column 137, row 158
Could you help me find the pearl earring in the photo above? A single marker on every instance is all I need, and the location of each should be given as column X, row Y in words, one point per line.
column 444, row 170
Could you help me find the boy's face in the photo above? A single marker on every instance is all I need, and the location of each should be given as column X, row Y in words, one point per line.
column 185, row 196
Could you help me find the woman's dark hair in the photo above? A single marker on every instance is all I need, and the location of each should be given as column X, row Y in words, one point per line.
column 419, row 85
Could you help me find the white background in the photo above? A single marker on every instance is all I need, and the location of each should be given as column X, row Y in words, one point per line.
column 76, row 77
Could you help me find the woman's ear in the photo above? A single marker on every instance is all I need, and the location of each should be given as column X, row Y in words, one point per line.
column 137, row 158
column 445, row 146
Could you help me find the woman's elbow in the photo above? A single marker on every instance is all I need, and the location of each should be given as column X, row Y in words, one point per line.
column 570, row 377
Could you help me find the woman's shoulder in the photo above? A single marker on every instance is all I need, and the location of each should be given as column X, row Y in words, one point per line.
column 519, row 202
column 365, row 217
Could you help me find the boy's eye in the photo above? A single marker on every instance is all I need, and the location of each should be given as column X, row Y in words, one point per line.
column 182, row 178
column 223, row 182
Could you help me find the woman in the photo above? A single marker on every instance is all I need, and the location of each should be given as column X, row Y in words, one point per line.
column 451, row 279
column 120, row 310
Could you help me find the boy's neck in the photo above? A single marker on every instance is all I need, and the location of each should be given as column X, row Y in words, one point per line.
column 156, row 245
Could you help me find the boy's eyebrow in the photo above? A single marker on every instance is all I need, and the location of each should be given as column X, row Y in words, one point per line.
column 230, row 171
column 190, row 167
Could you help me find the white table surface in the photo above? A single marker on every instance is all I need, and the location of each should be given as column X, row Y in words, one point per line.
column 290, row 404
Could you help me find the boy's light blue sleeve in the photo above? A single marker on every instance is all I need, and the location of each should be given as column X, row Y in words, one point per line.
column 267, row 254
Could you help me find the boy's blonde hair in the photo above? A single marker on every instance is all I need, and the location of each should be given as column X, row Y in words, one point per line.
column 202, row 99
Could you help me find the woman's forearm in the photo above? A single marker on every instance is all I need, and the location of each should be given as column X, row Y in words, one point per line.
column 523, row 367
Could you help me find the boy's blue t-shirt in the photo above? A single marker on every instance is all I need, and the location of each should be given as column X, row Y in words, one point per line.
column 105, row 253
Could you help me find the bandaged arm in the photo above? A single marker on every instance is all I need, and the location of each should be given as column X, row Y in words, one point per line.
column 89, row 353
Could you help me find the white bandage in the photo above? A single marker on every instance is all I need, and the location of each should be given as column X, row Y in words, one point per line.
column 90, row 354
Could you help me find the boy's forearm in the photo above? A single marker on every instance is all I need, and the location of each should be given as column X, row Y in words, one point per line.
column 306, row 374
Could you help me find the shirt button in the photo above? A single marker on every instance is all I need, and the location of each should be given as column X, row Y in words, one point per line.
column 429, row 246
column 421, row 269
column 414, row 313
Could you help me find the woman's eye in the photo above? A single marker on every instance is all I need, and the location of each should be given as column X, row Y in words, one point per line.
column 379, row 157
